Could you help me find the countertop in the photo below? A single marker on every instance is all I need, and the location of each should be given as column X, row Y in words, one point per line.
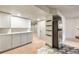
column 16, row 33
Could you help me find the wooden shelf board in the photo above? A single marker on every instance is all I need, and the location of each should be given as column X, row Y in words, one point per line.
column 48, row 25
column 48, row 20
column 48, row 30
column 48, row 35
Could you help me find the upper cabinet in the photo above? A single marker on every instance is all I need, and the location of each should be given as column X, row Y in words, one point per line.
column 4, row 20
column 17, row 22
column 28, row 23
column 8, row 21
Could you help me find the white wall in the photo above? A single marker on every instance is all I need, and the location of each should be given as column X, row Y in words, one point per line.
column 76, row 25
column 69, row 27
column 72, row 26
column 41, row 29
column 63, row 27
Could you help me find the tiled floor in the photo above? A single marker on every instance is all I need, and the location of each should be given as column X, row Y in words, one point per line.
column 30, row 48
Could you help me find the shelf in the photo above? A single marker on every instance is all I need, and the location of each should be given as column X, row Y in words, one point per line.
column 48, row 30
column 48, row 25
column 48, row 20
column 59, row 29
column 48, row 35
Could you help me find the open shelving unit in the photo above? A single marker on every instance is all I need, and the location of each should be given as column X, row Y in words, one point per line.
column 49, row 31
column 48, row 27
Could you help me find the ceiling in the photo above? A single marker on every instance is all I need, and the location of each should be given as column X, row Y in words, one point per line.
column 34, row 13
column 69, row 11
column 27, row 11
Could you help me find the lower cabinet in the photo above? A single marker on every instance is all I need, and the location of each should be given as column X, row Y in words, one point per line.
column 29, row 38
column 16, row 40
column 20, row 39
column 24, row 38
column 5, row 42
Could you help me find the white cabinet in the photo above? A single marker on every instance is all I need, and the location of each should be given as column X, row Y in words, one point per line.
column 4, row 21
column 17, row 22
column 7, row 21
column 20, row 23
column 24, row 38
column 27, row 23
column 29, row 38
column 9, row 24
column 21, row 38
column 16, row 40
column 5, row 42
column 9, row 41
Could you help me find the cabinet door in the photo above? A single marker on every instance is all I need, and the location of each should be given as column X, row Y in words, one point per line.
column 24, row 38
column 16, row 40
column 4, row 20
column 27, row 23
column 29, row 38
column 17, row 22
column 5, row 42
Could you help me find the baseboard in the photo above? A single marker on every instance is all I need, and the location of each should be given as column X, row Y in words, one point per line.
column 15, row 47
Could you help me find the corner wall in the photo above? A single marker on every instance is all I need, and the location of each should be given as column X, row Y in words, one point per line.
column 72, row 26
column 64, row 26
